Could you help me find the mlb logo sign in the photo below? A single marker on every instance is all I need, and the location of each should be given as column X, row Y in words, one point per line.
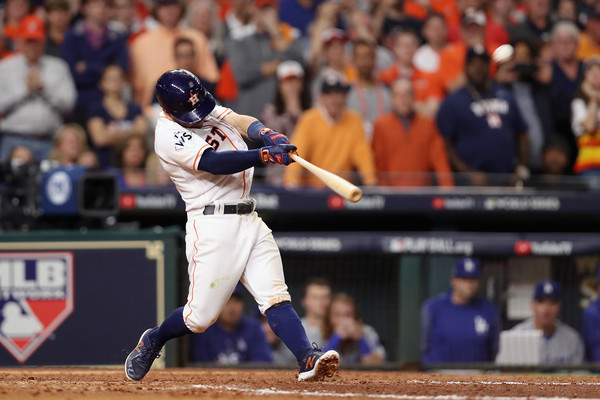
column 36, row 296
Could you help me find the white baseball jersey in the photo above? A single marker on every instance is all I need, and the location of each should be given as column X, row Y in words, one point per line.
column 179, row 150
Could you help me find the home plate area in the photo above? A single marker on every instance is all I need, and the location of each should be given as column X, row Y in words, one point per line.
column 109, row 383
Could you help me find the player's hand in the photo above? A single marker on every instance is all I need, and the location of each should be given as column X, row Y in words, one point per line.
column 279, row 154
column 272, row 138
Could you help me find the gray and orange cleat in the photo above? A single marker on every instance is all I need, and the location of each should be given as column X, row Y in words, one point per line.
column 316, row 365
column 140, row 360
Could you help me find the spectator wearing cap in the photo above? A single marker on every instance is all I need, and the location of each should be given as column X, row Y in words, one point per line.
column 332, row 137
column 407, row 145
column 458, row 326
column 591, row 322
column 37, row 91
column 328, row 57
column 233, row 339
column 538, row 22
column 368, row 95
column 589, row 39
column 58, row 15
column 291, row 99
column 484, row 130
column 89, row 46
column 427, row 87
column 561, row 344
column 452, row 57
column 152, row 51
column 256, row 57
column 585, row 109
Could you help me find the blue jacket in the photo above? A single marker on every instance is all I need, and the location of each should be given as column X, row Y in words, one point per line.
column 76, row 48
column 244, row 345
column 591, row 331
column 459, row 333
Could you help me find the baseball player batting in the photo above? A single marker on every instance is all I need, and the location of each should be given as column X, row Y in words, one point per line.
column 201, row 146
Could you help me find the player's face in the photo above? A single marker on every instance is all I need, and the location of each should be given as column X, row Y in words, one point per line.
column 465, row 288
column 232, row 312
column 317, row 300
column 545, row 312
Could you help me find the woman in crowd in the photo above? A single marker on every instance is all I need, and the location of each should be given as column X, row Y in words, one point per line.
column 585, row 117
column 345, row 332
column 130, row 162
column 69, row 144
column 114, row 118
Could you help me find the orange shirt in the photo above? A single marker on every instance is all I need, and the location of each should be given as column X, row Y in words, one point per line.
column 586, row 48
column 339, row 147
column 152, row 54
column 426, row 85
column 399, row 152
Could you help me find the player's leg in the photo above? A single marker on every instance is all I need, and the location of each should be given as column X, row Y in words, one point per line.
column 215, row 263
column 264, row 279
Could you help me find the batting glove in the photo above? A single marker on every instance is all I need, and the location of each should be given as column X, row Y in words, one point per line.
column 272, row 138
column 277, row 154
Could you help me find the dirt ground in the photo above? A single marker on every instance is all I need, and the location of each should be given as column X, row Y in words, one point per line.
column 96, row 384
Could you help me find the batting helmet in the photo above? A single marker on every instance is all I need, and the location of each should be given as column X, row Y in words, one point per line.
column 181, row 93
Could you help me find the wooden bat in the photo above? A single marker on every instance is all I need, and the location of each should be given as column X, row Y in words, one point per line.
column 336, row 183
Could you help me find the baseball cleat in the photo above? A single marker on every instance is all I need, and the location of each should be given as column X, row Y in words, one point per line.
column 317, row 365
column 140, row 360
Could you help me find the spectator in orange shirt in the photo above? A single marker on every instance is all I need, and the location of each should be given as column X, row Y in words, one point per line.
column 428, row 91
column 589, row 40
column 152, row 51
column 408, row 146
column 332, row 137
column 15, row 11
column 435, row 32
column 452, row 58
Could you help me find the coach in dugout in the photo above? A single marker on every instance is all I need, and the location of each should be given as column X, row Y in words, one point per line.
column 484, row 130
column 458, row 326
column 591, row 324
column 561, row 343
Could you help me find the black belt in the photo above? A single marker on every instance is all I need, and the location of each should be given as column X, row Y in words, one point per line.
column 240, row 208
column 35, row 136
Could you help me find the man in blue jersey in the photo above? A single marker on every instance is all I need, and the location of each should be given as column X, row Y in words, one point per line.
column 458, row 326
column 484, row 130
column 591, row 328
column 233, row 339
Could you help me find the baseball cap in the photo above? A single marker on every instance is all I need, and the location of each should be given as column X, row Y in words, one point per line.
column 32, row 28
column 334, row 83
column 289, row 69
column 477, row 51
column 467, row 267
column 547, row 289
column 473, row 16
column 331, row 34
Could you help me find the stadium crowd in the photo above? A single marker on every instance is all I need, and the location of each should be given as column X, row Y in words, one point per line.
column 404, row 91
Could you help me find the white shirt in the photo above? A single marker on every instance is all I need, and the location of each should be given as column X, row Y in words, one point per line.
column 179, row 150
column 426, row 59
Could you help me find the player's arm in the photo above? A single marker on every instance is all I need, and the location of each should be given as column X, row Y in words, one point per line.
column 230, row 162
column 253, row 129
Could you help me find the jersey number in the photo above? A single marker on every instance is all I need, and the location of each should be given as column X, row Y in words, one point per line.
column 213, row 137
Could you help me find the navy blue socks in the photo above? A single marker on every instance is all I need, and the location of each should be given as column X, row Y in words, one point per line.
column 287, row 326
column 172, row 327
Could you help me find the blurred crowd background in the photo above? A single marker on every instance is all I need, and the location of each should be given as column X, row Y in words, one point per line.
column 402, row 92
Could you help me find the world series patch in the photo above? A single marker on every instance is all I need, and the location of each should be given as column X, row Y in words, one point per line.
column 36, row 296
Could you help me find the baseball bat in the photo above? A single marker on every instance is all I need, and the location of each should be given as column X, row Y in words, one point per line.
column 336, row 183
